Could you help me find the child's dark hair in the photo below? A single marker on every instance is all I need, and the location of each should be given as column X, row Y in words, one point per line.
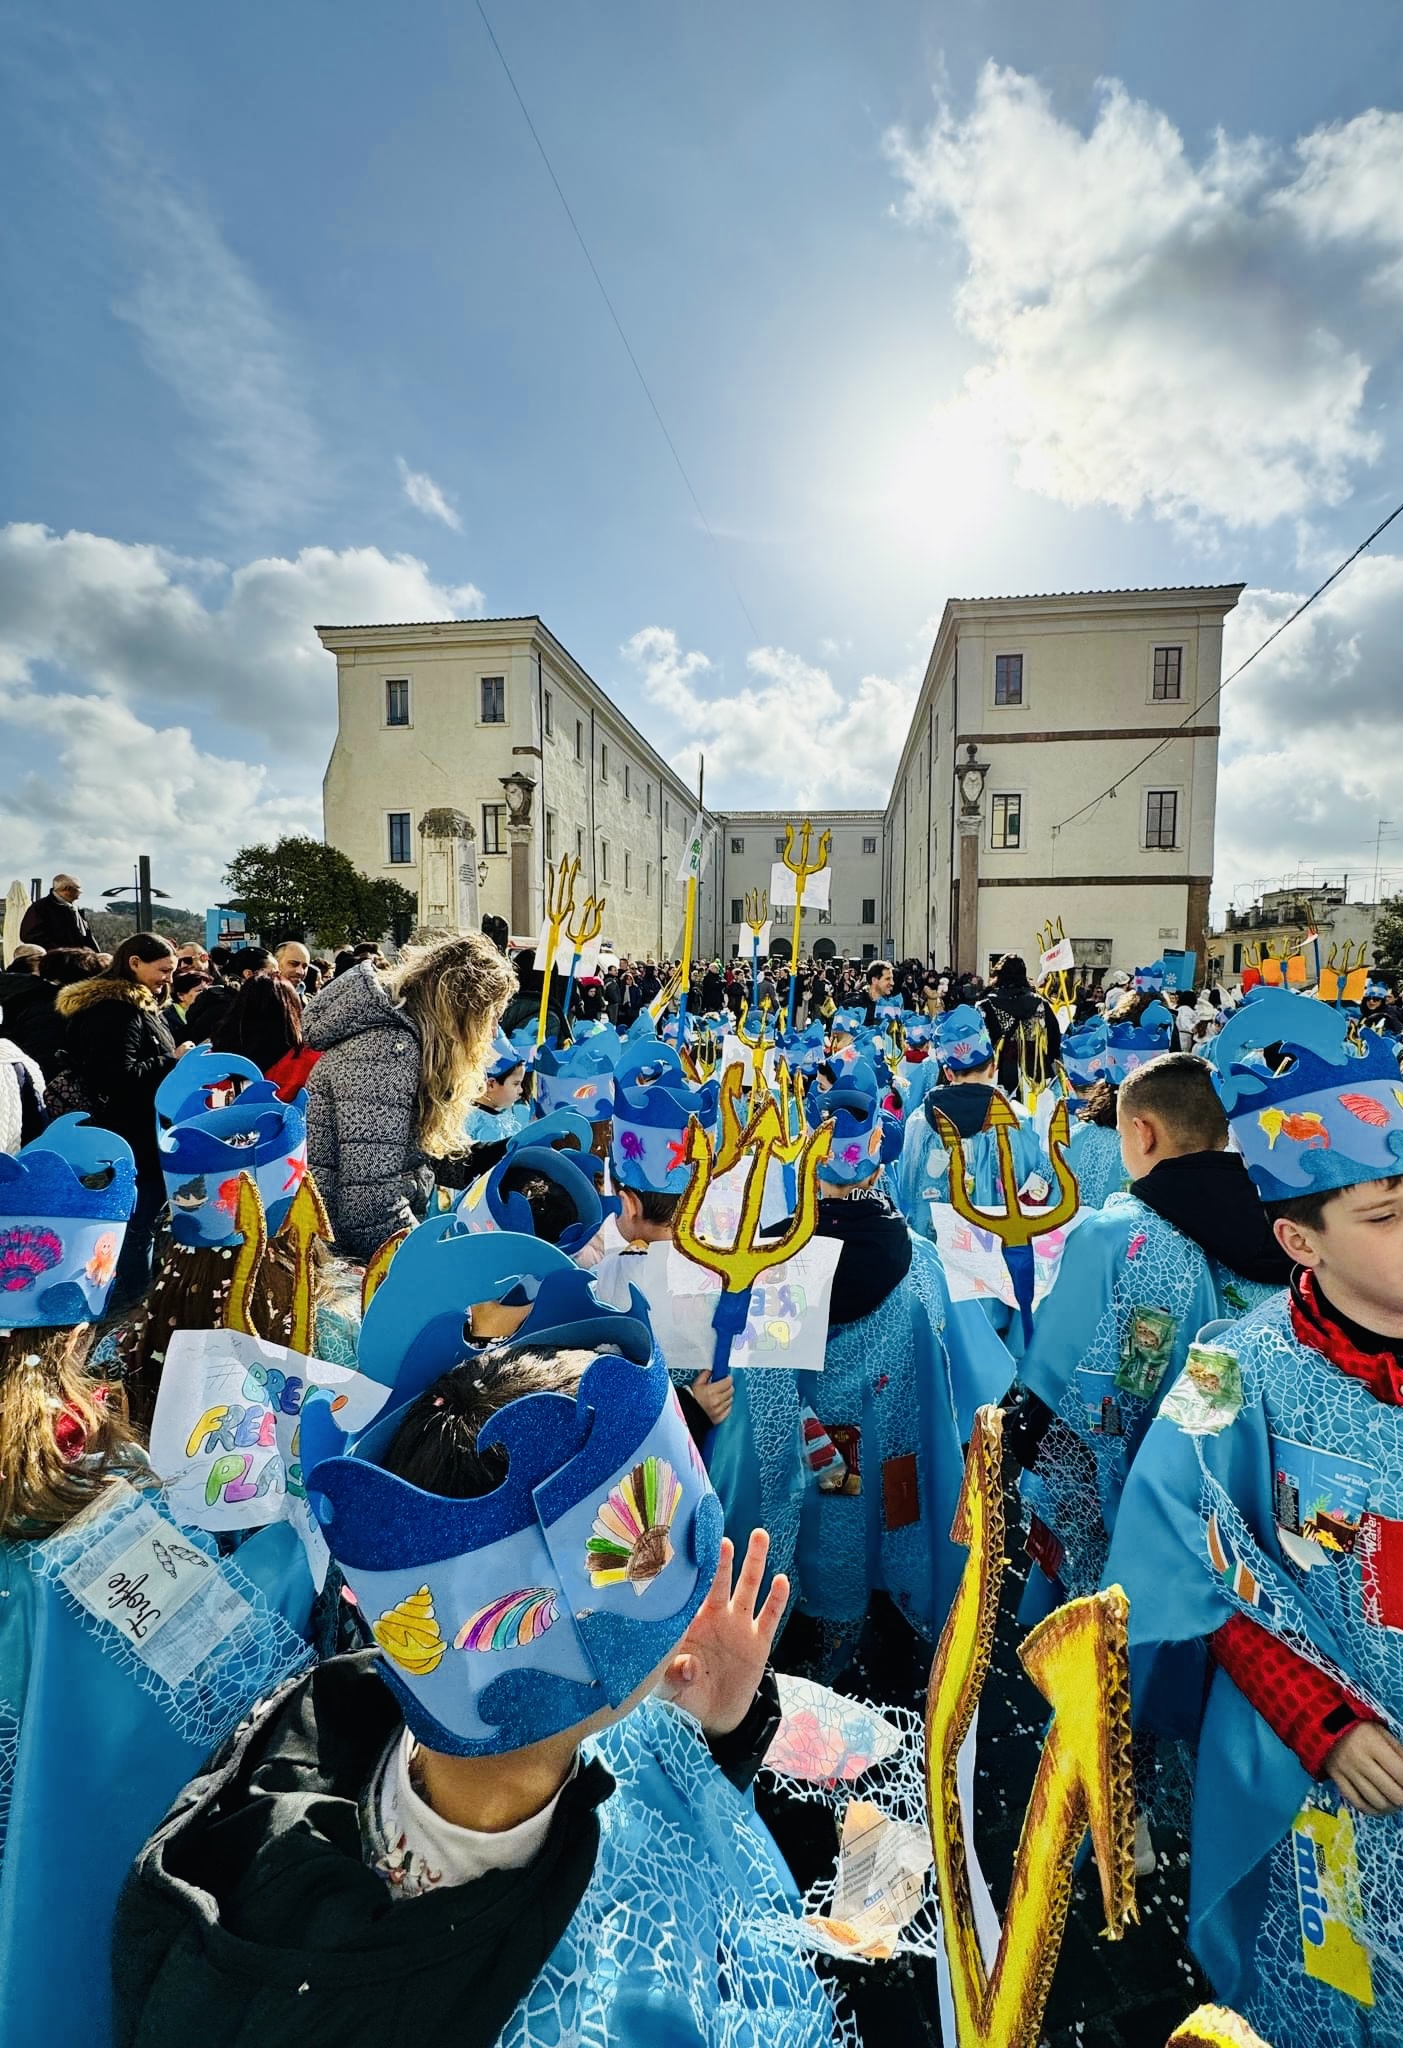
column 438, row 1446
column 1309, row 1210
column 1099, row 1106
column 1178, row 1088
column 552, row 1211
column 657, row 1207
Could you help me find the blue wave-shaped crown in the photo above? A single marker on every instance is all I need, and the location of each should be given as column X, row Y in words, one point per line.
column 962, row 1041
column 64, row 1204
column 650, row 1132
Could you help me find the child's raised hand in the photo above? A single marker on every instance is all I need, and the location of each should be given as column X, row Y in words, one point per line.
column 715, row 1398
column 1366, row 1767
column 715, row 1669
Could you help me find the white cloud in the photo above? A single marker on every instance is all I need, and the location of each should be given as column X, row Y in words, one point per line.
column 1191, row 337
column 206, row 329
column 787, row 737
column 426, row 496
column 1312, row 749
column 104, row 642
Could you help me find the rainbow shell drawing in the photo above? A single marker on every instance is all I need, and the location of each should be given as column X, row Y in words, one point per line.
column 26, row 1252
column 511, row 1620
column 409, row 1634
column 629, row 1544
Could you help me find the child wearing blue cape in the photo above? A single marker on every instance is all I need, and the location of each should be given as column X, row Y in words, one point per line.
column 964, row 1053
column 1093, row 1152
column 499, row 1111
column 523, row 1813
column 127, row 1649
column 1138, row 1280
column 1260, row 1541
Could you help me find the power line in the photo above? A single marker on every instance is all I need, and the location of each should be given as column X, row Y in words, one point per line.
column 619, row 326
column 1214, row 695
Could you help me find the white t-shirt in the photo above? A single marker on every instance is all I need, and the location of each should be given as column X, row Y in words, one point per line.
column 415, row 1850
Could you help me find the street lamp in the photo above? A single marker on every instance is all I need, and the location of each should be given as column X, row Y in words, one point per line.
column 141, row 892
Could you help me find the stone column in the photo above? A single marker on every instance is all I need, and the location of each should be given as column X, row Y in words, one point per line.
column 447, row 873
column 969, row 776
column 519, row 790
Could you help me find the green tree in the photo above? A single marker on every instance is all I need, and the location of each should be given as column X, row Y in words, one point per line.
column 1386, row 950
column 118, row 921
column 300, row 886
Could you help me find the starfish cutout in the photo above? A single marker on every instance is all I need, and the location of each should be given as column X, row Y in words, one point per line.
column 296, row 1168
column 676, row 1153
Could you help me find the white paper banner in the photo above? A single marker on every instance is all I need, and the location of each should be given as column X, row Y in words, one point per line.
column 747, row 943
column 1058, row 959
column 782, row 886
column 224, row 1437
column 788, row 1323
column 974, row 1261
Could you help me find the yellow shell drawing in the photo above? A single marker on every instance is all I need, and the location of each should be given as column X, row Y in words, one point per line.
column 409, row 1634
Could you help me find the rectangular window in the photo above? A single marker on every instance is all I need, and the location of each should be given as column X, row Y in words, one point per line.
column 603, row 860
column 1162, row 817
column 579, row 739
column 397, row 701
column 869, row 952
column 869, row 845
column 494, row 700
column 400, row 853
column 650, row 799
column 738, row 846
column 579, row 842
column 1006, row 822
column 603, row 762
column 779, row 843
column 548, row 713
column 648, row 879
column 628, row 782
column 1008, row 679
column 667, row 815
column 737, row 910
column 493, row 821
column 550, row 835
column 869, row 910
column 628, row 869
column 1169, row 663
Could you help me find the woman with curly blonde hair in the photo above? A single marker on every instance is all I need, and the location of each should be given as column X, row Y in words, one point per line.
column 403, row 1059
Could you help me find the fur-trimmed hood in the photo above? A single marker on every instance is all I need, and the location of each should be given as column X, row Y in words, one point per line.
column 103, row 988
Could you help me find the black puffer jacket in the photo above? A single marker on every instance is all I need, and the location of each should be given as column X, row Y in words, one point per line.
column 121, row 1049
column 1027, row 1037
column 31, row 1019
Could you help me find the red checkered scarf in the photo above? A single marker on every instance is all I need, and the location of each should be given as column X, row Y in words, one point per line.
column 1316, row 1323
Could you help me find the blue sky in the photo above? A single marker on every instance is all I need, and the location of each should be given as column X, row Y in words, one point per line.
column 934, row 301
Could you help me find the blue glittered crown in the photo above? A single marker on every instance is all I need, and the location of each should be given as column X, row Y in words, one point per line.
column 1332, row 1113
column 188, row 1089
column 512, row 1616
column 507, row 1054
column 649, row 1151
column 962, row 1041
column 579, row 1076
column 864, row 1136
column 1084, row 1054
column 917, row 1029
column 1130, row 1045
column 487, row 1205
column 849, row 1020
column 259, row 1135
column 65, row 1200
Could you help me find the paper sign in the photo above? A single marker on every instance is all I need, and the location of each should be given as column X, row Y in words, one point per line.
column 782, row 887
column 882, row 1867
column 825, row 1739
column 166, row 1599
column 747, row 943
column 224, row 1437
column 974, row 1262
column 788, row 1321
column 1058, row 959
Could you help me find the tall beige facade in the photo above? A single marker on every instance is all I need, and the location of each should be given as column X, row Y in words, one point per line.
column 434, row 716
column 1058, row 697
column 1029, row 709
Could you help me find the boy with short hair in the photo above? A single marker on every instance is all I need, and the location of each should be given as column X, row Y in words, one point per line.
column 964, row 1052
column 486, row 1821
column 1261, row 1543
column 1139, row 1278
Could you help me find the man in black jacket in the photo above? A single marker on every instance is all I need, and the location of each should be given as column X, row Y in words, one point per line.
column 1023, row 1025
column 55, row 920
column 335, row 1871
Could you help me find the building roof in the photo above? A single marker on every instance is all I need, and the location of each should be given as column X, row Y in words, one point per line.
column 1119, row 590
column 399, row 625
column 819, row 812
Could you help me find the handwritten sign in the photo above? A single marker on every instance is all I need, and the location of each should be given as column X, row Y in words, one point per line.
column 974, row 1262
column 788, row 1322
column 225, row 1436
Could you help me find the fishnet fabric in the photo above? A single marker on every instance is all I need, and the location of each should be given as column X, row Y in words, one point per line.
column 661, row 1951
column 9, row 1758
column 1308, row 1402
column 258, row 1653
column 1096, row 1161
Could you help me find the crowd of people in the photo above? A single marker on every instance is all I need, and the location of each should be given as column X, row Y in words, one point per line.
column 428, row 1668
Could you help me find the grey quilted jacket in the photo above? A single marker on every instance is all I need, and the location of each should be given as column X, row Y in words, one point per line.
column 362, row 1142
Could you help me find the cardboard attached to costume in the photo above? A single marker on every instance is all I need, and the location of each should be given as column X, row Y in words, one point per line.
column 224, row 1437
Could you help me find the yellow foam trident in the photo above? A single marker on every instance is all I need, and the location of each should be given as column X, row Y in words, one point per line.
column 1059, row 983
column 1344, row 975
column 760, row 1139
column 583, row 933
column 801, row 869
column 560, row 901
column 1079, row 1661
column 1015, row 1226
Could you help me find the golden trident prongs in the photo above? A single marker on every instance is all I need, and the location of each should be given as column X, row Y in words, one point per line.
column 582, row 933
column 801, row 869
column 741, row 1263
column 560, row 901
column 1013, row 1225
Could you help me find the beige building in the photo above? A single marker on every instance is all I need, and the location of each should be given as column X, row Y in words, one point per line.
column 1280, row 919
column 431, row 718
column 1030, row 708
column 750, row 842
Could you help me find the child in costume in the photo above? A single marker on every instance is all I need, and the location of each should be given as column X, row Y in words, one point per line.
column 1094, row 1149
column 500, row 1111
column 127, row 1649
column 1259, row 1541
column 496, row 1819
column 964, row 1052
column 1138, row 1280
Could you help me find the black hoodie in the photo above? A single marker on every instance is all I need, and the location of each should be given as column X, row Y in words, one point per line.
column 1209, row 1196
column 252, row 1919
